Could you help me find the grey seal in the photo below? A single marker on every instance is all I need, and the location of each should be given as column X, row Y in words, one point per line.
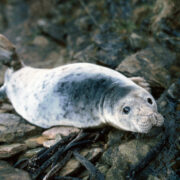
column 81, row 95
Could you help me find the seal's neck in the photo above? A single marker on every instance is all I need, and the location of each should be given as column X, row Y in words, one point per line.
column 111, row 100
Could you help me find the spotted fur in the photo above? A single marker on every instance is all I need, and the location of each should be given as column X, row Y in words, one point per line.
column 81, row 95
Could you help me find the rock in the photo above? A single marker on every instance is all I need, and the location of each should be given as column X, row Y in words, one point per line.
column 153, row 64
column 7, row 151
column 13, row 128
column 109, row 49
column 151, row 177
column 6, row 108
column 115, row 136
column 54, row 31
column 121, row 157
column 112, row 49
column 55, row 134
column 164, row 24
column 9, row 173
column 2, row 71
column 53, row 56
column 51, row 142
column 115, row 174
column 86, row 55
column 83, row 23
column 137, row 42
column 165, row 17
column 30, row 153
column 103, row 168
column 74, row 166
column 16, row 12
column 40, row 41
column 34, row 142
column 39, row 9
column 5, row 44
column 2, row 17
column 62, row 131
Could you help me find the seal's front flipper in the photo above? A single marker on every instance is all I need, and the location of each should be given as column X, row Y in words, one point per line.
column 141, row 82
column 2, row 93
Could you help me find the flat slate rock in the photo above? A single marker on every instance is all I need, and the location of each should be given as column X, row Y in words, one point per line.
column 154, row 64
column 120, row 157
column 10, row 150
column 34, row 142
column 9, row 173
column 30, row 153
column 13, row 128
column 59, row 131
column 74, row 166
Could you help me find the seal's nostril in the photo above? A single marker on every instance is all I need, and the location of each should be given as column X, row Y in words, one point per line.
column 149, row 100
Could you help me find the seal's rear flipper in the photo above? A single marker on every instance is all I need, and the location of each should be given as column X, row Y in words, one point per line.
column 8, row 55
column 141, row 82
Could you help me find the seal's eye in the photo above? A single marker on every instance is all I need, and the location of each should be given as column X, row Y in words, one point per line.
column 126, row 109
column 149, row 100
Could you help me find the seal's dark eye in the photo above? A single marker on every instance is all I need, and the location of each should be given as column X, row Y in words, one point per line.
column 149, row 100
column 126, row 109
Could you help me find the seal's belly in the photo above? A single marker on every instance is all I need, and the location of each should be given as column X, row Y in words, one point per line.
column 68, row 95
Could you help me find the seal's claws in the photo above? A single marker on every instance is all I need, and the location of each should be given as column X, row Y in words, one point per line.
column 141, row 82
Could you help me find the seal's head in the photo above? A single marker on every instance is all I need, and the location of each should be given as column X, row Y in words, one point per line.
column 131, row 108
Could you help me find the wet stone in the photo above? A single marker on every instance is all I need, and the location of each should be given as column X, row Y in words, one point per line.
column 5, row 108
column 9, row 173
column 34, row 142
column 121, row 157
column 40, row 41
column 13, row 128
column 7, row 151
column 74, row 166
column 62, row 131
column 151, row 177
column 153, row 64
column 16, row 12
column 51, row 142
column 115, row 136
column 2, row 71
column 30, row 153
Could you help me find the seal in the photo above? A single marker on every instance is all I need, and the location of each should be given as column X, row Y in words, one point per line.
column 82, row 95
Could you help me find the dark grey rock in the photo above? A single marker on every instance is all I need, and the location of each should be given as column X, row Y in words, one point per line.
column 16, row 12
column 121, row 157
column 7, row 151
column 73, row 166
column 13, row 128
column 9, row 173
column 154, row 64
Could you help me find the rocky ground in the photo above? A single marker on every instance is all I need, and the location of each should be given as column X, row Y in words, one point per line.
column 136, row 38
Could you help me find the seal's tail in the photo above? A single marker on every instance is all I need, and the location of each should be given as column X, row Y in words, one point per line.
column 8, row 55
